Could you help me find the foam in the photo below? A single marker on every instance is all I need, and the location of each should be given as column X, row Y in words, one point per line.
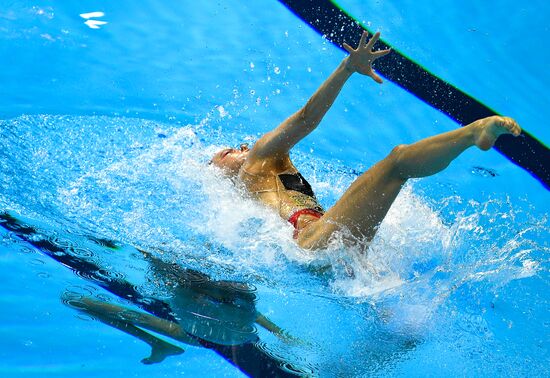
column 152, row 187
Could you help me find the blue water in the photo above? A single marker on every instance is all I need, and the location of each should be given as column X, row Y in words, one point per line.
column 106, row 132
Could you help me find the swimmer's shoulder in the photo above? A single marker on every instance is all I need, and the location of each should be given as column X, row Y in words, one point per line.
column 269, row 166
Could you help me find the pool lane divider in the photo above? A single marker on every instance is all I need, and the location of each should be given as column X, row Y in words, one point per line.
column 338, row 27
column 250, row 359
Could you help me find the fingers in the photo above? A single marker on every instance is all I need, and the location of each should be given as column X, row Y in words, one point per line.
column 373, row 40
column 381, row 53
column 363, row 45
column 348, row 48
column 362, row 57
column 363, row 39
column 375, row 77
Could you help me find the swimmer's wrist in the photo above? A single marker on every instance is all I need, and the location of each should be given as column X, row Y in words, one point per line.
column 347, row 66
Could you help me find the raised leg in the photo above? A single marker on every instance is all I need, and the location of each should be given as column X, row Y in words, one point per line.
column 365, row 204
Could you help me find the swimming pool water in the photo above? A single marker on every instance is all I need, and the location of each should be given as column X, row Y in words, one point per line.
column 105, row 132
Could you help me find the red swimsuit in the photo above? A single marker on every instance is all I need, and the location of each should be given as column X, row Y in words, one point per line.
column 294, row 218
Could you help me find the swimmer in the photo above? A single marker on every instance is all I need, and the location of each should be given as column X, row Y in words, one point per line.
column 270, row 176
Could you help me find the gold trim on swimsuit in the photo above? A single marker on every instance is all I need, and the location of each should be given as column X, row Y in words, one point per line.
column 288, row 201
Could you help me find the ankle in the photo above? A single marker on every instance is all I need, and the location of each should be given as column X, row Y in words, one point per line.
column 474, row 132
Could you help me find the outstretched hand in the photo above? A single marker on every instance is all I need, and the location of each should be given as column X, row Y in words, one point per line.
column 360, row 59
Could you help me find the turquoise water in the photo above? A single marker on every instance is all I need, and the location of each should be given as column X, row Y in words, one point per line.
column 106, row 132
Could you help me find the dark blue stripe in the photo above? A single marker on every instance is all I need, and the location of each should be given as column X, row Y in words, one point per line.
column 338, row 27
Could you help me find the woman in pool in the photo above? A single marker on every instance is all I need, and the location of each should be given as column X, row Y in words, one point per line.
column 268, row 173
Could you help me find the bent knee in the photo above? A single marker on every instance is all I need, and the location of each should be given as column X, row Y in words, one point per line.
column 397, row 151
column 395, row 160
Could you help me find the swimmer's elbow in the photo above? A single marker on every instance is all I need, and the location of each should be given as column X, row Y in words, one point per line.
column 308, row 116
column 301, row 115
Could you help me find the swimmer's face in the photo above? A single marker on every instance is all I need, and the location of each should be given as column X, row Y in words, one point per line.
column 230, row 160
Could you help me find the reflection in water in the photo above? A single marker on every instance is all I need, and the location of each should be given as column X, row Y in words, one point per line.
column 219, row 315
column 223, row 312
column 205, row 310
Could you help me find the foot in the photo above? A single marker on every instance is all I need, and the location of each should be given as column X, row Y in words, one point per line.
column 490, row 128
column 159, row 351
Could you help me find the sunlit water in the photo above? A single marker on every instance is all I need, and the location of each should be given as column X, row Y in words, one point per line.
column 455, row 282
column 438, row 276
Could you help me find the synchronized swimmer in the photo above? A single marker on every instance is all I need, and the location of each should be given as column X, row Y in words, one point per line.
column 269, row 175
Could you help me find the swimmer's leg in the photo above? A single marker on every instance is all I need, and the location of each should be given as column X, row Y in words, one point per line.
column 140, row 319
column 160, row 349
column 276, row 330
column 365, row 204
column 127, row 321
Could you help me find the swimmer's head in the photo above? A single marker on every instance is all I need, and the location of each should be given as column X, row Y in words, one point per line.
column 230, row 160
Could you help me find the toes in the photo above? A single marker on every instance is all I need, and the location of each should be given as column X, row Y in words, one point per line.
column 510, row 125
column 513, row 126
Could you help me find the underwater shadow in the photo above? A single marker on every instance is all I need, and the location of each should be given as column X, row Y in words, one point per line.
column 215, row 314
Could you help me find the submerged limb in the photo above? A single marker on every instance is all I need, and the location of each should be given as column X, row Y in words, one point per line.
column 160, row 349
column 367, row 201
column 140, row 319
column 276, row 330
column 111, row 315
column 129, row 322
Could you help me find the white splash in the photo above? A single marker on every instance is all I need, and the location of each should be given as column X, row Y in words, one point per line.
column 92, row 15
column 93, row 24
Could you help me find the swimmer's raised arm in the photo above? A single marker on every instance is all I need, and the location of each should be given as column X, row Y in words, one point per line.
column 279, row 141
column 360, row 59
